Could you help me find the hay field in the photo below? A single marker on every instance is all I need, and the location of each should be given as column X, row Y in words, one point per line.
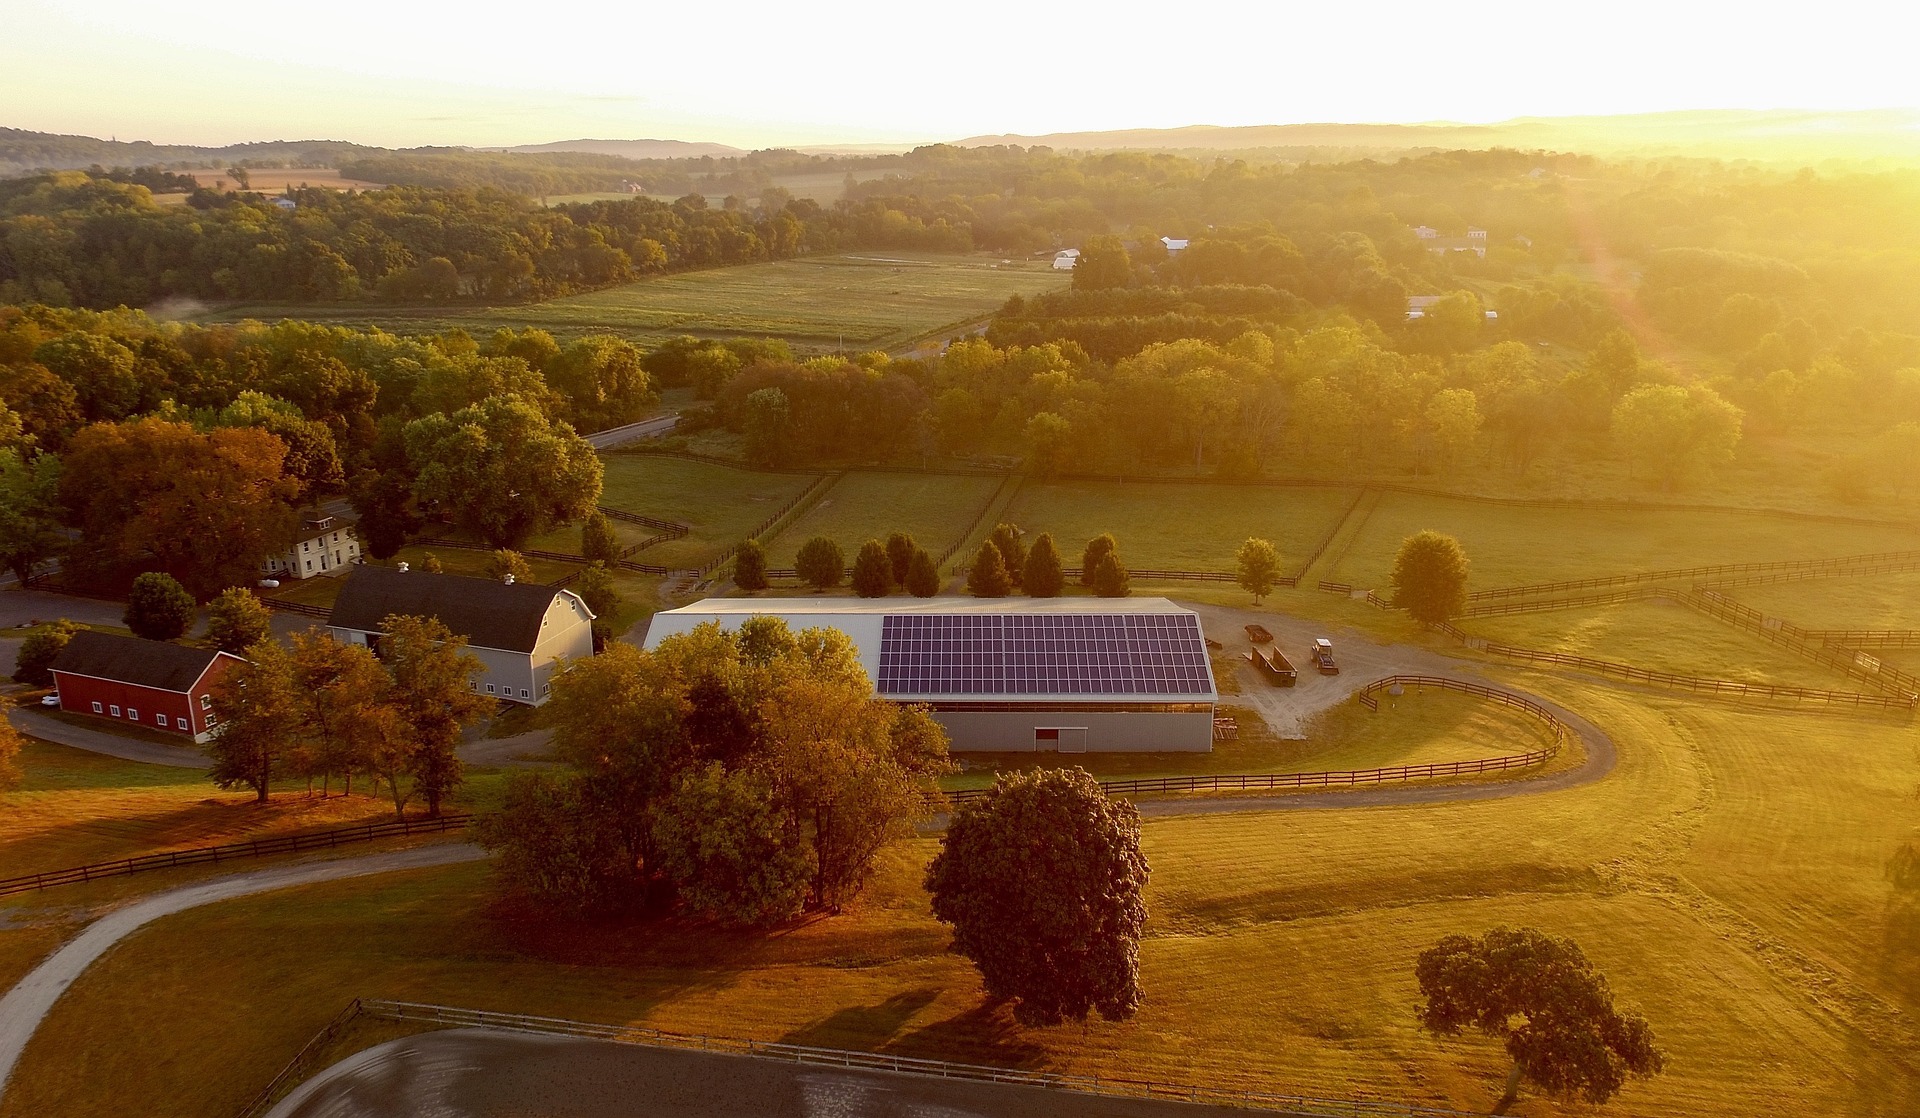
column 1727, row 876
column 719, row 503
column 856, row 301
column 932, row 508
column 1174, row 525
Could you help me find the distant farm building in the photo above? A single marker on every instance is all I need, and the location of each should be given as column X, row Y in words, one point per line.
column 520, row 632
column 1419, row 305
column 285, row 203
column 1066, row 259
column 1174, row 246
column 325, row 545
column 1068, row 675
column 155, row 684
column 1430, row 239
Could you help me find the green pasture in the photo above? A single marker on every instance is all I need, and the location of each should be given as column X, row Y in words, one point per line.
column 1180, row 526
column 1664, row 637
column 932, row 508
column 856, row 301
column 1509, row 544
column 719, row 503
column 1890, row 601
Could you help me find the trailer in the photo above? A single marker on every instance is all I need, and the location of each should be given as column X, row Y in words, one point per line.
column 1274, row 665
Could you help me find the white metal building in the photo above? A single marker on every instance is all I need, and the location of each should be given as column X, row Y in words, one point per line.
column 1015, row 674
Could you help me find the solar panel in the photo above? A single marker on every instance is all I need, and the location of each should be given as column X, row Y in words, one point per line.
column 1043, row 654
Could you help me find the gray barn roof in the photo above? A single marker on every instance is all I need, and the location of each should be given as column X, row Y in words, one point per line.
column 156, row 664
column 489, row 613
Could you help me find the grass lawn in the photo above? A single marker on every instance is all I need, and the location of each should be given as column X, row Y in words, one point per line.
column 1510, row 545
column 719, row 503
column 1168, row 525
column 1663, row 637
column 1414, row 729
column 862, row 301
column 932, row 508
column 464, row 561
column 1889, row 601
column 1727, row 877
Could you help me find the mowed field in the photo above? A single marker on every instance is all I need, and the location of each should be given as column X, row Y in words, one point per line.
column 719, row 503
column 935, row 509
column 1727, row 877
column 1185, row 526
column 1510, row 545
column 1889, row 601
column 856, row 301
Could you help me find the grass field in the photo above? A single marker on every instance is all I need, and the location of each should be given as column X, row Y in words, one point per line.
column 720, row 504
column 1661, row 636
column 1180, row 526
column 862, row 301
column 1511, row 545
column 1871, row 602
column 932, row 508
column 1727, row 876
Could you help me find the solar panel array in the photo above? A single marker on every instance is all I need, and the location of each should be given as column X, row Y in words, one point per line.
column 1043, row 654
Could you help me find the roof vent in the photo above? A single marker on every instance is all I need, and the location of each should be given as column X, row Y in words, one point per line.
column 402, row 568
column 508, row 580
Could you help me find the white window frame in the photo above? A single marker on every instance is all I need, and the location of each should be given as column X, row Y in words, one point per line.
column 115, row 708
column 97, row 710
column 181, row 724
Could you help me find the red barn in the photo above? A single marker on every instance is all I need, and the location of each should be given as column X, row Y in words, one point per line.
column 158, row 685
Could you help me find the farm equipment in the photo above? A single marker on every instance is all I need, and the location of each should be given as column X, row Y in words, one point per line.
column 1323, row 656
column 1274, row 665
column 1259, row 634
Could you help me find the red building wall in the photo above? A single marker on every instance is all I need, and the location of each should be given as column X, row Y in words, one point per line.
column 79, row 693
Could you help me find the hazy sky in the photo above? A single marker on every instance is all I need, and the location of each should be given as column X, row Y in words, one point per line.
column 404, row 72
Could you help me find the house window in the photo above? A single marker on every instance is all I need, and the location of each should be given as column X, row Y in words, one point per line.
column 180, row 723
column 304, row 545
column 96, row 708
column 546, row 689
column 309, row 564
column 211, row 720
column 133, row 714
column 489, row 688
column 206, row 702
column 161, row 719
column 523, row 693
column 115, row 708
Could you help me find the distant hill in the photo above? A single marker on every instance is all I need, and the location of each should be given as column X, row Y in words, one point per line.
column 23, row 152
column 1784, row 134
column 629, row 149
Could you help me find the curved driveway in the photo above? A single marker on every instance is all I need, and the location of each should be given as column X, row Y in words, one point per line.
column 28, row 1002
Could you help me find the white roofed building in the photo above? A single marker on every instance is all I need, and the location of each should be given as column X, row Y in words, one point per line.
column 1066, row 259
column 1071, row 675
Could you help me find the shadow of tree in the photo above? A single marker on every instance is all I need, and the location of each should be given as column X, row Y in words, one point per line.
column 985, row 1034
column 864, row 1027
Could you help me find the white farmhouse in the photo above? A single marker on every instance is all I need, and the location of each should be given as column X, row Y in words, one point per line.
column 325, row 545
column 519, row 631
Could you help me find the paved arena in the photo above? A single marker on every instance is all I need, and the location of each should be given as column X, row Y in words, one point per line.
column 472, row 1073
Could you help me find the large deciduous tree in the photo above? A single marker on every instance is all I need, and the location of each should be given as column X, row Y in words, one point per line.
column 1430, row 577
column 602, row 381
column 236, row 620
column 1258, row 568
column 32, row 663
column 433, row 700
column 820, row 563
column 208, row 509
column 1103, row 263
column 1553, row 1009
column 1043, row 881
column 29, row 511
column 258, row 716
column 1675, row 432
column 158, row 608
column 502, row 470
column 598, row 543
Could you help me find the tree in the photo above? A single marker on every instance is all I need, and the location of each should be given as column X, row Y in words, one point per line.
column 502, row 470
column 508, row 564
column 1259, row 568
column 158, row 608
column 236, row 621
column 431, row 564
column 1049, row 442
column 10, row 743
column 430, row 668
column 339, row 691
column 1103, row 263
column 1430, row 577
column 598, row 593
column 1013, row 553
column 30, row 530
column 1043, row 576
column 1043, row 881
column 820, row 563
column 598, row 543
column 258, row 715
column 721, row 840
column 384, row 502
column 768, row 423
column 603, row 382
column 1569, row 1039
column 900, row 549
column 987, row 578
column 38, row 651
column 1097, row 548
column 1676, row 432
column 554, row 844
column 1110, row 579
column 872, row 571
column 923, row 578
column 1453, row 420
column 750, row 566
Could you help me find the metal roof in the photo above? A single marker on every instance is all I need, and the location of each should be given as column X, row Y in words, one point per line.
column 488, row 612
column 160, row 665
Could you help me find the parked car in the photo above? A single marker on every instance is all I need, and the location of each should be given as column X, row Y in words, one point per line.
column 52, row 700
column 1323, row 656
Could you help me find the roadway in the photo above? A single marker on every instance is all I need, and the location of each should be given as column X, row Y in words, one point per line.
column 633, row 432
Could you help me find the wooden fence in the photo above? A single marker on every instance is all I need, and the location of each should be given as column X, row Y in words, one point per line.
column 1777, row 571
column 304, row 609
column 212, row 855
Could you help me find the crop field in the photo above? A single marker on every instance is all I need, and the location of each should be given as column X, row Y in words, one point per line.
column 932, row 508
column 1727, row 876
column 1170, row 525
column 856, row 301
column 1512, row 545
column 719, row 503
column 1663, row 636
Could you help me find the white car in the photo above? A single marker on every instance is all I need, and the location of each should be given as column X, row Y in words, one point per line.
column 50, row 700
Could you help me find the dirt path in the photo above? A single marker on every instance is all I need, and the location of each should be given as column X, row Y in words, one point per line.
column 27, row 1003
